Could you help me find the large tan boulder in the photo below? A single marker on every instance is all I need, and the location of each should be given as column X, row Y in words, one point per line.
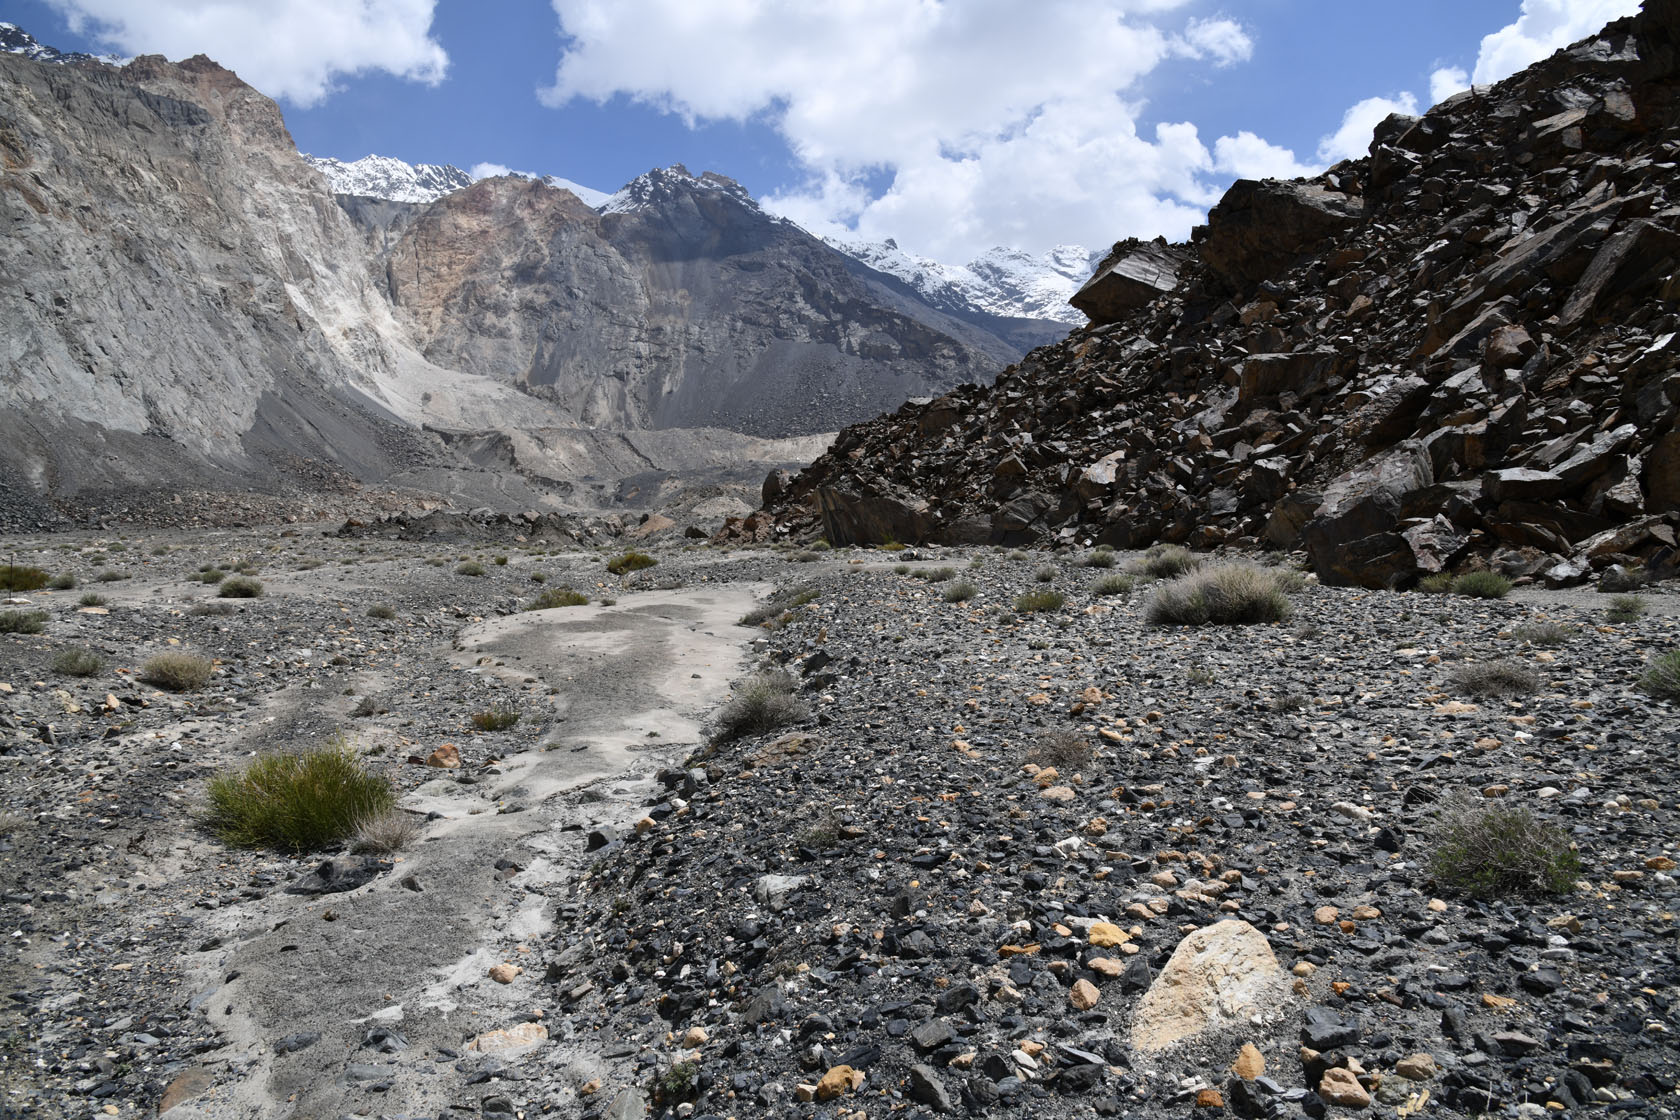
column 1219, row 976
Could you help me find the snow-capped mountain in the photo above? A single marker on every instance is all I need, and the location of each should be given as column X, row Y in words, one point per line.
column 384, row 177
column 662, row 184
column 1000, row 281
column 15, row 40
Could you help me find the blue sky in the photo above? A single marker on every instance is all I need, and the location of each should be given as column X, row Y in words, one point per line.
column 949, row 125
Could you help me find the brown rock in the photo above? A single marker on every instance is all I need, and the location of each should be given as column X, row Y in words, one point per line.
column 184, row 1087
column 839, row 1080
column 516, row 1039
column 1417, row 1067
column 446, row 757
column 1210, row 1098
column 1341, row 1087
column 504, row 973
column 1106, row 935
column 1134, row 273
column 1250, row 1062
column 1084, row 995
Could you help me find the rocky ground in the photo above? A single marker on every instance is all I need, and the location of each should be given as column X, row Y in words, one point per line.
column 890, row 905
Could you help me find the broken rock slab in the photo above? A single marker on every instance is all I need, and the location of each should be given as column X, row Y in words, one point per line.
column 1222, row 975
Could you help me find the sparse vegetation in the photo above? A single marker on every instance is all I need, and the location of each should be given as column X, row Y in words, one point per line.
column 1165, row 561
column 22, row 622
column 1481, row 585
column 1495, row 678
column 785, row 599
column 1046, row 573
column 240, row 587
column 1102, row 558
column 557, row 597
column 804, row 556
column 77, row 663
column 961, row 592
column 110, row 575
column 63, row 581
column 676, row 1084
column 1626, row 608
column 1115, row 583
column 212, row 608
column 938, row 575
column 211, row 575
column 1065, row 750
column 1662, row 678
column 469, row 568
column 901, row 569
column 176, row 672
column 92, row 599
column 496, row 718
column 20, row 577
column 761, row 703
column 631, row 561
column 297, row 802
column 384, row 833
column 382, row 611
column 1223, row 595
column 1438, row 584
column 1543, row 633
column 1487, row 848
column 1035, row 601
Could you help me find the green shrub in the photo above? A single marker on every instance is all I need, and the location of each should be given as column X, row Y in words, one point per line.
column 110, row 575
column 1486, row 848
column 22, row 622
column 1223, row 595
column 938, row 575
column 1437, row 584
column 783, row 600
column 676, row 1084
column 18, row 577
column 1046, row 573
column 500, row 561
column 496, row 718
column 1102, row 558
column 1165, row 561
column 383, row 611
column 1626, row 608
column 819, row 545
column 890, row 546
column 961, row 592
column 469, row 568
column 539, row 577
column 211, row 575
column 761, row 703
column 63, row 581
column 1045, row 600
column 240, row 587
column 631, row 561
column 297, row 802
column 557, row 597
column 1115, row 583
column 92, row 599
column 1662, row 678
column 77, row 663
column 1495, row 678
column 176, row 672
column 1481, row 585
column 1543, row 633
column 901, row 569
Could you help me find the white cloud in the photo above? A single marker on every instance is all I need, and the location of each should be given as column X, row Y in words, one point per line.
column 286, row 48
column 1543, row 27
column 995, row 122
column 1353, row 139
column 494, row 170
column 1247, row 156
column 1446, row 81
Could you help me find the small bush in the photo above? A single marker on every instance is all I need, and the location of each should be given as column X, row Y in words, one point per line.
column 961, row 592
column 1662, row 678
column 539, row 577
column 387, row 832
column 92, row 599
column 382, row 611
column 211, row 575
column 77, row 663
column 297, row 802
column 469, row 568
column 819, row 545
column 1065, row 750
column 1226, row 595
column 938, row 575
column 22, row 622
column 240, row 587
column 761, row 703
column 500, row 561
column 1017, row 555
column 1486, row 848
column 1481, row 585
column 1165, row 561
column 1438, row 584
column 804, row 556
column 1115, row 583
column 631, row 561
column 1626, row 608
column 1034, row 601
column 1046, row 573
column 557, row 597
column 901, row 569
column 1495, row 678
column 18, row 577
column 110, row 575
column 63, row 581
column 213, row 608
column 785, row 599
column 1103, row 558
column 890, row 546
column 1618, row 579
column 497, row 718
column 1543, row 633
column 176, row 672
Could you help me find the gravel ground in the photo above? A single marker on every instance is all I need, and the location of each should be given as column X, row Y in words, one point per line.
column 893, row 883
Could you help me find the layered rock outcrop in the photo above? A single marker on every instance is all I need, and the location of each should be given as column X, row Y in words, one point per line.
column 1465, row 344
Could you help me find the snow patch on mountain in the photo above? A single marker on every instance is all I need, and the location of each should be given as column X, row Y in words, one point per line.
column 662, row 184
column 15, row 40
column 1000, row 281
column 384, row 177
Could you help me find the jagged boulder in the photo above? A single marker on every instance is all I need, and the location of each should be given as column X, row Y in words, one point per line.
column 1132, row 275
column 1260, row 227
column 858, row 516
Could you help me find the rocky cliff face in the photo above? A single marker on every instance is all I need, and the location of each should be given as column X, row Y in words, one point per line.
column 678, row 304
column 1464, row 345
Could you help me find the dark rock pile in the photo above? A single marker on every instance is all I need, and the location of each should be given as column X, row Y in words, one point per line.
column 1464, row 346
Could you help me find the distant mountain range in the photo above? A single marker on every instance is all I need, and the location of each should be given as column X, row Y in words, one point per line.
column 15, row 40
column 1011, row 283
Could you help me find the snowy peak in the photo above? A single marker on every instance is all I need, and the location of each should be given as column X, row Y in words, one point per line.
column 1000, row 281
column 15, row 40
column 384, row 177
column 665, row 184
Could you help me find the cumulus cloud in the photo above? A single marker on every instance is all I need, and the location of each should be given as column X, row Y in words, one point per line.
column 1353, row 138
column 291, row 49
column 1543, row 27
column 493, row 170
column 1446, row 81
column 993, row 122
column 1247, row 156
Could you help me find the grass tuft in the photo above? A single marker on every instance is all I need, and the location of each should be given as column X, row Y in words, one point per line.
column 1662, row 678
column 382, row 611
column 631, row 561
column 21, row 577
column 1626, row 608
column 22, row 622
column 761, row 703
column 1487, row 848
column 1543, row 633
column 297, row 802
column 92, row 599
column 1165, row 561
column 1481, row 585
column 1035, row 601
column 1438, row 584
column 384, row 833
column 1102, row 558
column 557, row 597
column 1495, row 678
column 469, row 568
column 176, row 672
column 495, row 718
column 960, row 592
column 1224, row 595
column 77, row 663
column 240, row 587
column 1065, row 750
column 1115, row 583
